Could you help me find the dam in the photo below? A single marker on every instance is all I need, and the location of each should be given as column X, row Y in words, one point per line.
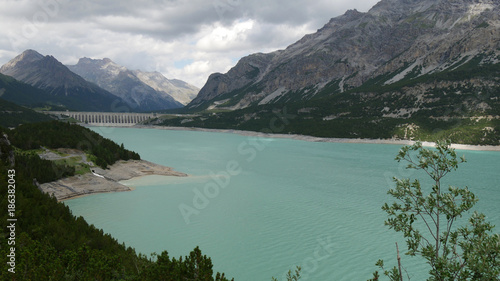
column 124, row 119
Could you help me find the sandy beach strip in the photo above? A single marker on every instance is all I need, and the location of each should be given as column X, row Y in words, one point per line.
column 319, row 139
column 105, row 180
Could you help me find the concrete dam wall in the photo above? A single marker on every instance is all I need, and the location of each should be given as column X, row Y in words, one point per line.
column 106, row 118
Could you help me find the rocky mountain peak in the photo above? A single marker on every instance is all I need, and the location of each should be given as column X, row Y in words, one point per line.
column 25, row 57
column 99, row 63
column 40, row 71
column 352, row 13
column 87, row 61
column 30, row 55
column 97, row 70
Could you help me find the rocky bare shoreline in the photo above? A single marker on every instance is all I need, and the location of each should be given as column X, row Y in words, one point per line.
column 320, row 139
column 105, row 180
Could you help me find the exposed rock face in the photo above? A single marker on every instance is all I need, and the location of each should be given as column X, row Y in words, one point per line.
column 243, row 74
column 181, row 91
column 105, row 180
column 396, row 39
column 48, row 74
column 143, row 91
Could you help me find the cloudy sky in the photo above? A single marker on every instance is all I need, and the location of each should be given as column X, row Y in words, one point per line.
column 183, row 39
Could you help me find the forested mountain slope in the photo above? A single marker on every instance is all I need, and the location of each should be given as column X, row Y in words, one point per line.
column 44, row 241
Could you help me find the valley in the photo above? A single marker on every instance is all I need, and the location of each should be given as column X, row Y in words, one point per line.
column 282, row 155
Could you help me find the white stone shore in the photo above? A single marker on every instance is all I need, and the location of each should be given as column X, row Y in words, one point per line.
column 318, row 139
column 105, row 180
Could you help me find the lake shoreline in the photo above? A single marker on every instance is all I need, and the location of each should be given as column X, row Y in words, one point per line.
column 320, row 139
column 104, row 181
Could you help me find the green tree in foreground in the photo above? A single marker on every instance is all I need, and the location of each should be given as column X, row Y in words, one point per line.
column 468, row 252
column 295, row 276
column 195, row 267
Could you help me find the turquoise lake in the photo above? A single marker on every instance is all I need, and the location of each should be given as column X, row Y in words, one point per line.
column 261, row 206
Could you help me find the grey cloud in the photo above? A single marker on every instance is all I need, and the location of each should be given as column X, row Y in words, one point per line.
column 137, row 32
column 166, row 19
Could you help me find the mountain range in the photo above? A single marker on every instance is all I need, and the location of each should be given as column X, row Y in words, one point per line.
column 61, row 85
column 91, row 85
column 145, row 90
column 396, row 40
column 404, row 69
